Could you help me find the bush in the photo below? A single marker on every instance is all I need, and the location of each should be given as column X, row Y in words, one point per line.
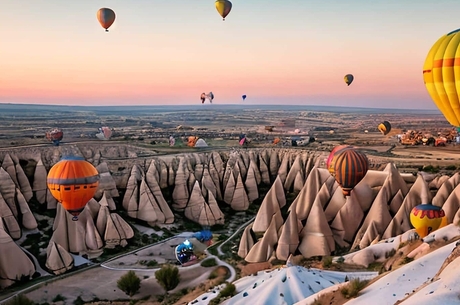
column 129, row 283
column 326, row 261
column 209, row 262
column 59, row 298
column 20, row 299
column 168, row 277
column 353, row 288
column 228, row 291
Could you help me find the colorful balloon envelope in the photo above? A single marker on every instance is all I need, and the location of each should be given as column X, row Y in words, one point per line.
column 106, row 17
column 426, row 218
column 441, row 74
column 73, row 181
column 55, row 136
column 330, row 160
column 348, row 79
column 203, row 97
column 350, row 167
column 384, row 127
column 223, row 7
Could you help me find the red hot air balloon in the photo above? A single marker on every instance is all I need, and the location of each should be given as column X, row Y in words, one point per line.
column 330, row 160
column 350, row 168
column 106, row 17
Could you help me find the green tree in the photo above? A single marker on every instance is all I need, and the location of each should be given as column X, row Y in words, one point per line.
column 168, row 277
column 129, row 283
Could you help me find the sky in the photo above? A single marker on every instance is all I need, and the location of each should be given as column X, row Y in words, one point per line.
column 162, row 52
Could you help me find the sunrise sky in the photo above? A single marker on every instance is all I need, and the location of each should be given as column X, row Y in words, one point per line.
column 168, row 52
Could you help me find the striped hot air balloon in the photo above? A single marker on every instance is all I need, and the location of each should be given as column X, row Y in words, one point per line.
column 73, row 182
column 350, row 167
column 330, row 160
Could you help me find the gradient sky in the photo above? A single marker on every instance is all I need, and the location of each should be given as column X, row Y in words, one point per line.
column 168, row 52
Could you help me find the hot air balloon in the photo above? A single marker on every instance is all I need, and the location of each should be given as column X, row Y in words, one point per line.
column 348, row 79
column 384, row 127
column 244, row 97
column 426, row 218
column 106, row 17
column 350, row 167
column 210, row 97
column 105, row 133
column 73, row 182
column 441, row 76
column 330, row 160
column 203, row 97
column 55, row 136
column 223, row 7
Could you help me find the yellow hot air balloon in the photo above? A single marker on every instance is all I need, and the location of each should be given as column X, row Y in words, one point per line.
column 348, row 79
column 223, row 7
column 426, row 218
column 441, row 74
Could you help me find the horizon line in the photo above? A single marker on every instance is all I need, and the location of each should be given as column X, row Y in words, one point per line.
column 219, row 104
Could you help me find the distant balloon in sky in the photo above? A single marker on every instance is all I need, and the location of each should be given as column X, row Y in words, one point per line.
column 204, row 96
column 106, row 17
column 348, row 79
column 244, row 97
column 441, row 76
column 223, row 7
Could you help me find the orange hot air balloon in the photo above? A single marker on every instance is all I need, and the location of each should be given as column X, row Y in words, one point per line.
column 350, row 167
column 426, row 218
column 106, row 17
column 73, row 181
column 329, row 162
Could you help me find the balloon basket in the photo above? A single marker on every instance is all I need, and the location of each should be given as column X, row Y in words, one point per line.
column 75, row 218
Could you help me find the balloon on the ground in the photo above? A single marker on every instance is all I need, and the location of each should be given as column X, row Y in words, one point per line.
column 184, row 252
column 73, row 181
column 348, row 79
column 106, row 17
column 426, row 218
column 441, row 74
column 223, row 7
column 105, row 133
column 384, row 127
column 55, row 136
column 350, row 167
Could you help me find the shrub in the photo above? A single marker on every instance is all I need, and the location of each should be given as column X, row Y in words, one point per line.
column 20, row 299
column 228, row 291
column 129, row 283
column 353, row 288
column 59, row 298
column 209, row 262
column 326, row 261
column 168, row 277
